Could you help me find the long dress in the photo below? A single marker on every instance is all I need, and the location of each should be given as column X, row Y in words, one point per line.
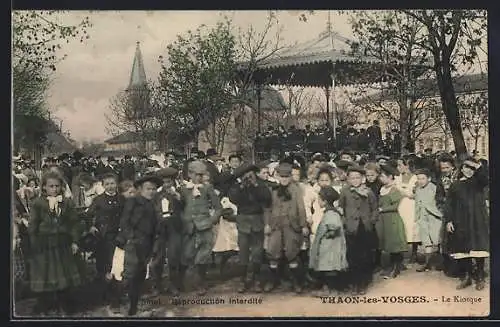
column 393, row 234
column 465, row 207
column 406, row 209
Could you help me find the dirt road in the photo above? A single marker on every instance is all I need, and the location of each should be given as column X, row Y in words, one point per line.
column 412, row 294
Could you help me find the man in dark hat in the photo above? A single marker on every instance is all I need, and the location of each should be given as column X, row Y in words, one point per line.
column 128, row 169
column 138, row 228
column 286, row 227
column 198, row 201
column 169, row 234
column 252, row 197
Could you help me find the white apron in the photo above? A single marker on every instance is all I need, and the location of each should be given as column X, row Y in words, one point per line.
column 226, row 233
column 407, row 209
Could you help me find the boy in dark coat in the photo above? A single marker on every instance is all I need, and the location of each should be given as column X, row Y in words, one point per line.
column 138, row 227
column 106, row 209
column 251, row 196
column 169, row 235
column 360, row 208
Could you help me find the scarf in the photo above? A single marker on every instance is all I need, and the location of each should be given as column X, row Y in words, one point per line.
column 54, row 203
column 284, row 193
column 361, row 190
column 195, row 188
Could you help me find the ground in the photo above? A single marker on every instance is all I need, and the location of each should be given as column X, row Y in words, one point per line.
column 432, row 289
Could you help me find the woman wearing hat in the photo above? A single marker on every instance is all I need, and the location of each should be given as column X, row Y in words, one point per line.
column 285, row 225
column 467, row 222
column 138, row 228
column 393, row 233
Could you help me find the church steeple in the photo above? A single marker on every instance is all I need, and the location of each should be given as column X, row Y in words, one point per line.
column 138, row 74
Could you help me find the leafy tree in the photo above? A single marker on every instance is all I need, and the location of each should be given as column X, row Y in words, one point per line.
column 197, row 75
column 38, row 37
column 254, row 45
column 454, row 39
column 392, row 37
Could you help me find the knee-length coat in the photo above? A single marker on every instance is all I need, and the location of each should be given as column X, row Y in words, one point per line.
column 427, row 215
column 286, row 219
column 393, row 234
column 53, row 267
column 329, row 254
column 465, row 207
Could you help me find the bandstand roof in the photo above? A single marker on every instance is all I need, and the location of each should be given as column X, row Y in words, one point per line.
column 311, row 64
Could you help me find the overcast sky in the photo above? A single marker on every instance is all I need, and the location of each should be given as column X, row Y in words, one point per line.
column 98, row 69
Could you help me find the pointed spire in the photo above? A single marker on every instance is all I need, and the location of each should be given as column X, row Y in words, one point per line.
column 138, row 75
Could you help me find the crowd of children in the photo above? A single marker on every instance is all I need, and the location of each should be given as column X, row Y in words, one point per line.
column 328, row 222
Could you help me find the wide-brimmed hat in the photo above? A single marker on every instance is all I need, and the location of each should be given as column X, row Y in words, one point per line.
column 356, row 168
column 343, row 164
column 152, row 178
column 389, row 169
column 245, row 168
column 168, row 172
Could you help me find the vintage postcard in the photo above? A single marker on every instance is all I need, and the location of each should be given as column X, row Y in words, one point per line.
column 262, row 164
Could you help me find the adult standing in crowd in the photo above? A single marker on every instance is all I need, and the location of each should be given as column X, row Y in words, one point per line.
column 467, row 222
column 202, row 210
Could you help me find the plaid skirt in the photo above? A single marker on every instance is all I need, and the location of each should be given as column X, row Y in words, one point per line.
column 53, row 266
column 19, row 265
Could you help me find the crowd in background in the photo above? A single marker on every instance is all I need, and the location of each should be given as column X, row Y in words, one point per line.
column 323, row 138
column 322, row 222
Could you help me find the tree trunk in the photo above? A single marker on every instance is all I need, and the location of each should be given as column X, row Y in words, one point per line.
column 450, row 106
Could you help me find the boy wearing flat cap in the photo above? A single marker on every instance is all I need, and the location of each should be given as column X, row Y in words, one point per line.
column 286, row 228
column 202, row 210
column 360, row 208
column 137, row 234
column 168, row 241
